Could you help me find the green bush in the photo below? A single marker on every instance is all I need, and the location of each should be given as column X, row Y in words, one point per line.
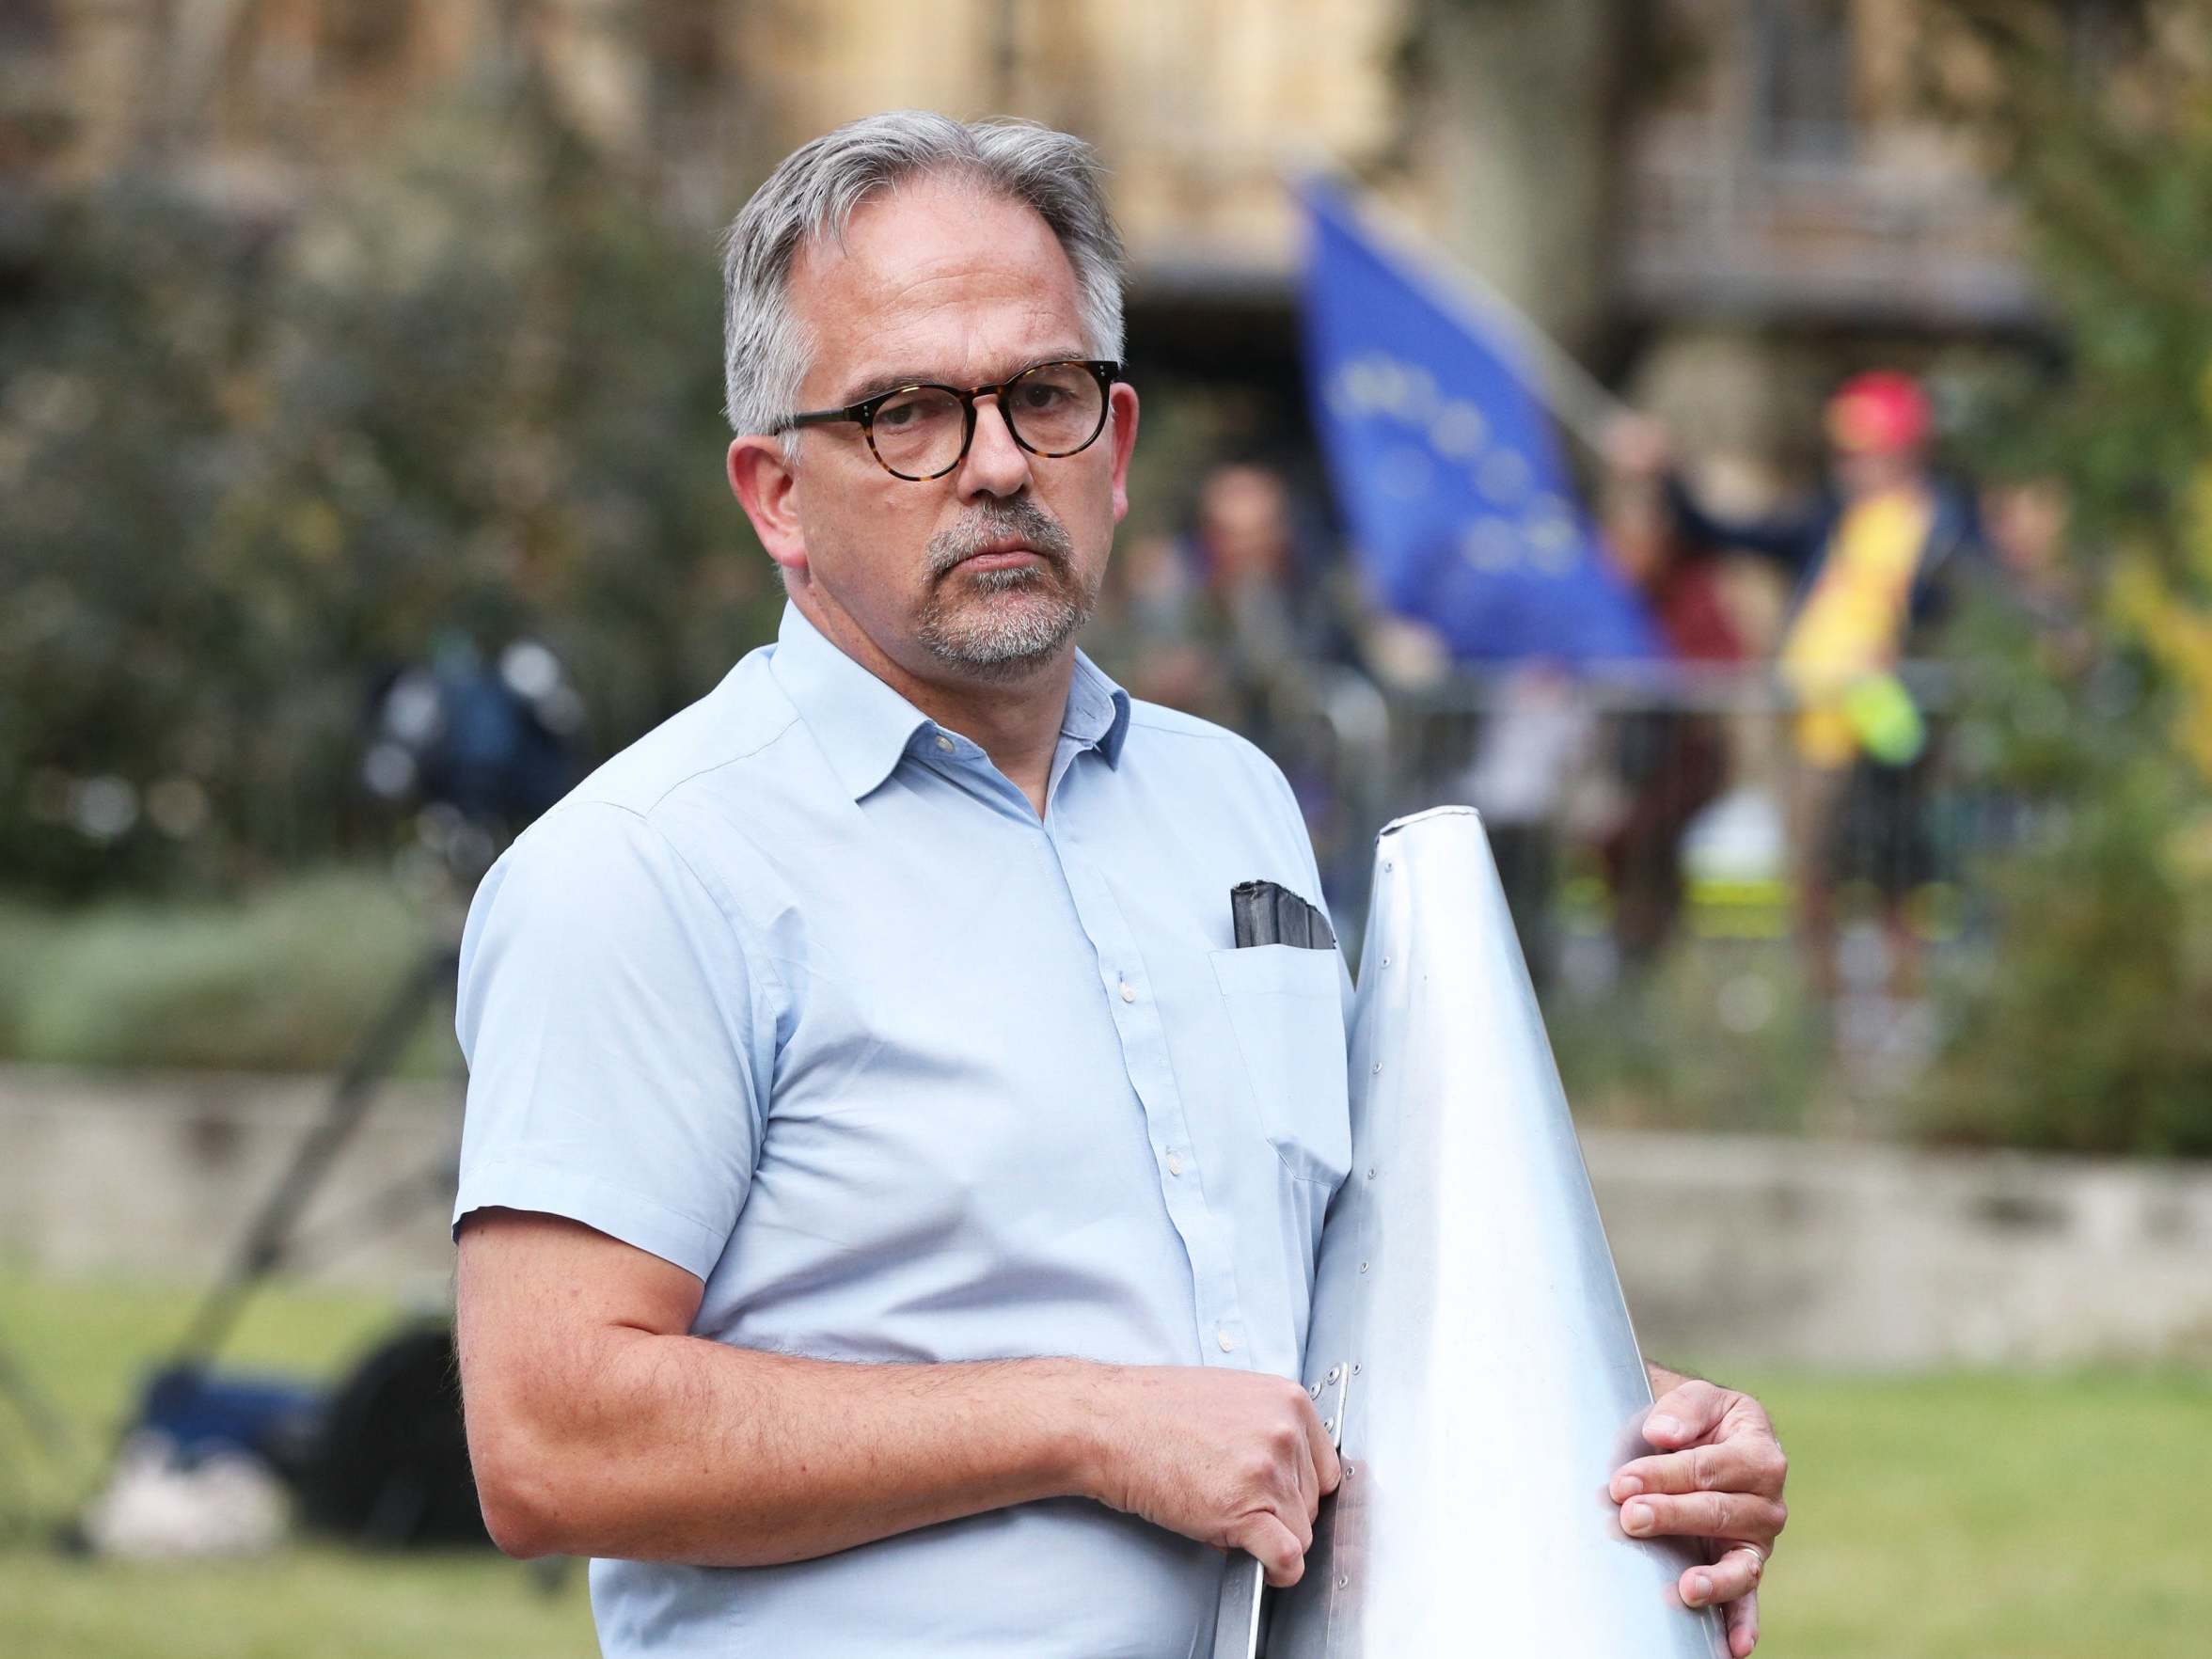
column 469, row 389
column 286, row 981
column 2090, row 1028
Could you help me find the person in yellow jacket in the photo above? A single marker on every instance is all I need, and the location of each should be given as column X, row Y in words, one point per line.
column 1873, row 553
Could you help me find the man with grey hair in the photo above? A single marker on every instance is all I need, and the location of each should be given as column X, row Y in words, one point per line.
column 888, row 1202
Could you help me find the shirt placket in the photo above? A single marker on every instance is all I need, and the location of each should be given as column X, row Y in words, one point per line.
column 1129, row 992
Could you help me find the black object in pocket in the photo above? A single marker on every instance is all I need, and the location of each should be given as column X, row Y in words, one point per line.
column 1267, row 912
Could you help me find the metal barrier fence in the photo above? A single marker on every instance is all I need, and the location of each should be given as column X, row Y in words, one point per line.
column 1652, row 809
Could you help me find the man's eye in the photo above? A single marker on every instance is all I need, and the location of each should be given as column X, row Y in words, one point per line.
column 912, row 410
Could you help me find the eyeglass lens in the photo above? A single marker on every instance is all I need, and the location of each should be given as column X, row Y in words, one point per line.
column 1054, row 409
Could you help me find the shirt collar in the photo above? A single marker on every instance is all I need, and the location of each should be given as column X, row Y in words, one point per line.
column 1097, row 713
column 864, row 728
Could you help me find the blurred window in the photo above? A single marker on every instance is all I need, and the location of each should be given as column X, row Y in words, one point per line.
column 2101, row 37
column 28, row 26
column 366, row 34
column 684, row 43
column 1801, row 79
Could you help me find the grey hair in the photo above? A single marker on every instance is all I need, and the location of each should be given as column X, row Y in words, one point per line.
column 818, row 187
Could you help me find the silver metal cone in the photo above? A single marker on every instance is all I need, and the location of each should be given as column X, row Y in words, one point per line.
column 1469, row 1344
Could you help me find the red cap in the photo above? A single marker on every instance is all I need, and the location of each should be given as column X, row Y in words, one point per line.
column 1879, row 413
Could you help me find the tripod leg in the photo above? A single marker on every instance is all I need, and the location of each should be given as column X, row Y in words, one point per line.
column 384, row 1209
column 266, row 1242
column 38, row 1412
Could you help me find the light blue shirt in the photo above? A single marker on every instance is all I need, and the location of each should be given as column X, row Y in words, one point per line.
column 800, row 994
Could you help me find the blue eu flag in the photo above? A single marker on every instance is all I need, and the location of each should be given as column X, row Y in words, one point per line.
column 1446, row 467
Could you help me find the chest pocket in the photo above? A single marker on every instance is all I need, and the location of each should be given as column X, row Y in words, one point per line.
column 1284, row 1003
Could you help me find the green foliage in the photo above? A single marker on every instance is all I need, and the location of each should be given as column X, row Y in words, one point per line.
column 261, row 984
column 2091, row 1027
column 1718, row 1038
column 471, row 386
column 2109, row 154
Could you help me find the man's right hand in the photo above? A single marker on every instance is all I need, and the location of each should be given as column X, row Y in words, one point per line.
column 1636, row 446
column 1238, row 1459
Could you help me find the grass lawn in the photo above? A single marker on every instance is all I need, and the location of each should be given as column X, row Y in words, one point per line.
column 2017, row 1517
column 2010, row 1516
column 85, row 1342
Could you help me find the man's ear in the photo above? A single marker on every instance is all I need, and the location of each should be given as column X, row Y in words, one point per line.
column 764, row 485
column 1122, row 403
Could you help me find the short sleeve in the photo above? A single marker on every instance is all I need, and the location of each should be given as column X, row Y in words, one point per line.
column 613, row 1029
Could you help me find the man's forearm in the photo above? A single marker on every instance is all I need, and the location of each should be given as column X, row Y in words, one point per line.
column 599, row 1427
column 664, row 1448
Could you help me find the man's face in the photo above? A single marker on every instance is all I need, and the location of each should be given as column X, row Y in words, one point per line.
column 1244, row 523
column 1864, row 473
column 981, row 576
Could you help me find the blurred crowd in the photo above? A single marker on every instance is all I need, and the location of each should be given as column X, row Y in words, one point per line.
column 1797, row 729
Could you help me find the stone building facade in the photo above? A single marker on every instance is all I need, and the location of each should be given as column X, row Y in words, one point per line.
column 1721, row 203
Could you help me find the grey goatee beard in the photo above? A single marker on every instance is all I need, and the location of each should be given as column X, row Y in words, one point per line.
column 999, row 623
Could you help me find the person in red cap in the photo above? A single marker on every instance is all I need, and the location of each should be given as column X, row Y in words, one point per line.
column 1873, row 553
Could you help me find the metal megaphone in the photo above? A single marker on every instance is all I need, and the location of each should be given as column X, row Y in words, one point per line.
column 1469, row 1345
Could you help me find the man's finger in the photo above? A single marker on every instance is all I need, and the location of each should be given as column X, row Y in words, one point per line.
column 1743, row 1625
column 1309, row 1481
column 1296, row 1521
column 1684, row 1414
column 1748, row 1463
column 1326, row 1467
column 1733, row 1576
column 1263, row 1537
column 1704, row 1514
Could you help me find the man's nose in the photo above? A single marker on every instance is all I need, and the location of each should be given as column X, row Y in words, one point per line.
column 996, row 465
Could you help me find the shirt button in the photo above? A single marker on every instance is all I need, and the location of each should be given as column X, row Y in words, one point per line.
column 1175, row 1164
column 945, row 744
column 1129, row 992
column 1227, row 1342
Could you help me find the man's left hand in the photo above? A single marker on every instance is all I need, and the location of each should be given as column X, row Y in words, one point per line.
column 1717, row 1475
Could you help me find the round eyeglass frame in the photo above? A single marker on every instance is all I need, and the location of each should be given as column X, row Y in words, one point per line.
column 1101, row 370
